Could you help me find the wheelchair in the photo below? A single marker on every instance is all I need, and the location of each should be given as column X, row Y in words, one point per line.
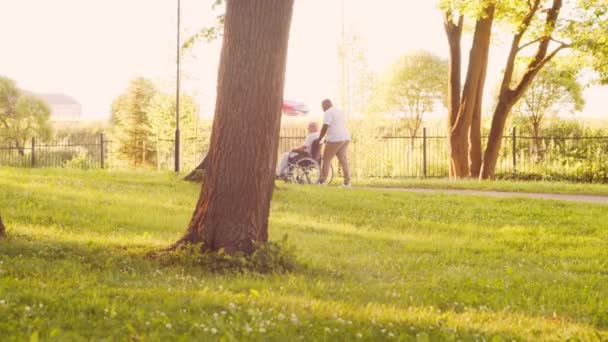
column 307, row 169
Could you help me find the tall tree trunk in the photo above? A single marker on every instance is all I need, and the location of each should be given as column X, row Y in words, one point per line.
column 475, row 151
column 2, row 228
column 490, row 157
column 460, row 126
column 233, row 208
column 454, row 34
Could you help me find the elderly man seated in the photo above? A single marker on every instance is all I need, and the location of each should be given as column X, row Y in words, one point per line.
column 299, row 152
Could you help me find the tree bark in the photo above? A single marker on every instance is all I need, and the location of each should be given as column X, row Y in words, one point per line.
column 454, row 34
column 475, row 151
column 460, row 125
column 233, row 208
column 504, row 106
column 2, row 228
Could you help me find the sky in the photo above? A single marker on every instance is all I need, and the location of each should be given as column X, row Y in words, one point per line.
column 90, row 49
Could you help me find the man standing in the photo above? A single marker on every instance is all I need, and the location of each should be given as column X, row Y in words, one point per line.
column 299, row 152
column 338, row 138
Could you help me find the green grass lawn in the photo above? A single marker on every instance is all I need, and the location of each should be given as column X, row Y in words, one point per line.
column 376, row 265
column 489, row 185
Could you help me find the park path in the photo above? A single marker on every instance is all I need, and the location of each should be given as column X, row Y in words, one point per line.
column 503, row 194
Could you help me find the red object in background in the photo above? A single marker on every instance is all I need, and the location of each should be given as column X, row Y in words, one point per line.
column 294, row 108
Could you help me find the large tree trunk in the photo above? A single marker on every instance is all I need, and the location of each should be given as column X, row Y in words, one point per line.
column 233, row 208
column 454, row 34
column 475, row 151
column 2, row 228
column 461, row 125
column 504, row 106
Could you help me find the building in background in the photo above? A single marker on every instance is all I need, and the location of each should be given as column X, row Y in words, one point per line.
column 64, row 108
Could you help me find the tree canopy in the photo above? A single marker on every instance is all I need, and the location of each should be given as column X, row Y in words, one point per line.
column 22, row 116
column 413, row 86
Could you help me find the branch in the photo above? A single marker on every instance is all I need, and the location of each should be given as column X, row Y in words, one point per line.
column 541, row 58
column 552, row 54
column 560, row 42
column 451, row 27
column 510, row 66
column 529, row 43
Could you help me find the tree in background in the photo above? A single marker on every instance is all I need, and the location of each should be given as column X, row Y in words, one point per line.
column 356, row 79
column 131, row 123
column 161, row 116
column 413, row 86
column 234, row 204
column 555, row 89
column 22, row 116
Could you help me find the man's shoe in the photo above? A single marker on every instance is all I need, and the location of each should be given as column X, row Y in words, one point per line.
column 347, row 185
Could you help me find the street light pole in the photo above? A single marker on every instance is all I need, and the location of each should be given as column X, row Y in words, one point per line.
column 177, row 90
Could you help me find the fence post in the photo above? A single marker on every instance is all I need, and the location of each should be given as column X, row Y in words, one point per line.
column 514, row 150
column 33, row 154
column 424, row 152
column 102, row 151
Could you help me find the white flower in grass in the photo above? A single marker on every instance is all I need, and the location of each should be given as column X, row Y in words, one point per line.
column 281, row 316
column 262, row 330
column 327, row 329
column 213, row 331
column 231, row 306
column 41, row 305
column 168, row 325
column 223, row 313
column 2, row 301
column 27, row 308
column 248, row 328
column 147, row 323
column 359, row 335
column 294, row 319
column 215, row 315
column 390, row 334
column 250, row 312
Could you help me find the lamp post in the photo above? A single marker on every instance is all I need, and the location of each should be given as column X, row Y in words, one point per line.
column 177, row 90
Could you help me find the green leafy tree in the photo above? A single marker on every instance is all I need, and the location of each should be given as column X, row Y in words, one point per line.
column 22, row 117
column 555, row 89
column 161, row 115
column 131, row 129
column 413, row 86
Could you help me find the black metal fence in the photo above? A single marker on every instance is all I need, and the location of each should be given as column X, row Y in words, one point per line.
column 85, row 153
column 386, row 153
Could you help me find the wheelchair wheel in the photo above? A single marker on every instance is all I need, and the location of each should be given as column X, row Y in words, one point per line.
column 306, row 171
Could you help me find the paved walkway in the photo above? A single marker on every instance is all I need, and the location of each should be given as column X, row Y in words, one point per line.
column 505, row 194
